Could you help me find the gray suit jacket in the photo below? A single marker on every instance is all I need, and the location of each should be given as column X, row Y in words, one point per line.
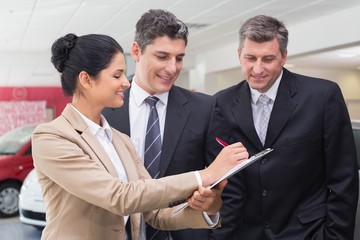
column 85, row 199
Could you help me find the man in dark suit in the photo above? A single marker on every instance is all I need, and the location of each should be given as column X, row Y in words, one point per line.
column 307, row 188
column 185, row 117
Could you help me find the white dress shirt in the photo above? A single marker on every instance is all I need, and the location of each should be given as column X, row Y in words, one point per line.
column 138, row 116
column 256, row 109
column 104, row 136
column 139, row 113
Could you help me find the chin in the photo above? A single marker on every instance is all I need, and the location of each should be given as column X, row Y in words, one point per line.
column 164, row 88
column 117, row 105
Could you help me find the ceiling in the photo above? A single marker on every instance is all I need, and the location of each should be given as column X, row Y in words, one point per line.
column 29, row 27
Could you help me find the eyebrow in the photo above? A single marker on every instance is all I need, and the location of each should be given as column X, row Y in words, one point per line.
column 266, row 56
column 167, row 53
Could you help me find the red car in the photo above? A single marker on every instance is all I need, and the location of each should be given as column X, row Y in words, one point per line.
column 15, row 164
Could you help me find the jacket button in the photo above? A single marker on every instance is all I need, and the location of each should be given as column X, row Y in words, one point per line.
column 267, row 224
column 263, row 161
column 264, row 193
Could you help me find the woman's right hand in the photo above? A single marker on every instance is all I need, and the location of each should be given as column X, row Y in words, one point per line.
column 228, row 158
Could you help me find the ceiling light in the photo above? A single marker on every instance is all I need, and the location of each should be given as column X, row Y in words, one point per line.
column 196, row 25
column 346, row 55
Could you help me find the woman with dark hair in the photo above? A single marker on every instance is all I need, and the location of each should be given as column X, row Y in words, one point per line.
column 91, row 176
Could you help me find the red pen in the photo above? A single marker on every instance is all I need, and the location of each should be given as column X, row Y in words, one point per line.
column 221, row 142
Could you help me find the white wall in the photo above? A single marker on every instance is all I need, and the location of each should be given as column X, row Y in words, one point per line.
column 349, row 82
column 219, row 68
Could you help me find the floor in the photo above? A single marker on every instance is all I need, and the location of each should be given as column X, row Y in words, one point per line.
column 13, row 229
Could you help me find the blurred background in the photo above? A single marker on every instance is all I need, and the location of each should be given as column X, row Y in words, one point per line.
column 324, row 41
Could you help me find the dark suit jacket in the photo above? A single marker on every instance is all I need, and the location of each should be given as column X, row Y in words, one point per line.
column 189, row 137
column 307, row 188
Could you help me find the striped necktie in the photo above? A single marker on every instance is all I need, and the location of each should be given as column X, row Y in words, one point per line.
column 152, row 140
column 152, row 158
column 265, row 116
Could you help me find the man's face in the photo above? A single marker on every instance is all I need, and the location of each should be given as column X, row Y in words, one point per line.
column 261, row 63
column 159, row 65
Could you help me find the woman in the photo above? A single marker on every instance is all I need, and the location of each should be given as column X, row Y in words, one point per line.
column 91, row 176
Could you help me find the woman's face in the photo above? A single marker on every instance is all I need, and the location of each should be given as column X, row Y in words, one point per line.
column 108, row 88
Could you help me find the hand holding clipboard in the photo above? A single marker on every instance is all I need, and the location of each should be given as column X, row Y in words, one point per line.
column 231, row 172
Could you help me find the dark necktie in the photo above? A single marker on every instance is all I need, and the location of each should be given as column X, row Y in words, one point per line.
column 152, row 158
column 152, row 140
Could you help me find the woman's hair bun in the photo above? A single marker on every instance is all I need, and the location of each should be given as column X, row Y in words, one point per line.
column 60, row 50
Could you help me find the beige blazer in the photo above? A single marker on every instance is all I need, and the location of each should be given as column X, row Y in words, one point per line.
column 86, row 200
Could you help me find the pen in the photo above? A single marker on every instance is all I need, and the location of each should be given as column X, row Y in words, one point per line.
column 221, row 142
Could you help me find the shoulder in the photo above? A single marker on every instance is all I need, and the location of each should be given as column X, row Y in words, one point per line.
column 311, row 83
column 308, row 80
column 231, row 91
column 189, row 97
column 189, row 93
column 56, row 125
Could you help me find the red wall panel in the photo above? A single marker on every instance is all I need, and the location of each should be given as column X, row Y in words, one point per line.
column 53, row 96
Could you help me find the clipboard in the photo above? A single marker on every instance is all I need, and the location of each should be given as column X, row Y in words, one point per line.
column 231, row 172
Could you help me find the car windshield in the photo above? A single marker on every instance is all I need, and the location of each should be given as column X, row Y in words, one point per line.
column 13, row 140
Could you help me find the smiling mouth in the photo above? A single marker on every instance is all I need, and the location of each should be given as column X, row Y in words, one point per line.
column 165, row 78
column 258, row 77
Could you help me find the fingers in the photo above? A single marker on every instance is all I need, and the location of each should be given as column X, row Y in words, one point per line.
column 228, row 158
column 221, row 185
column 207, row 200
column 202, row 197
column 238, row 150
column 203, row 193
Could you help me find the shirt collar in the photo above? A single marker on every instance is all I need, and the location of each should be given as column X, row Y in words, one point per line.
column 271, row 93
column 95, row 128
column 139, row 95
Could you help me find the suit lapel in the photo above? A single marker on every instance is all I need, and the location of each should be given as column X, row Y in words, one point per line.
column 123, row 121
column 243, row 115
column 177, row 114
column 284, row 106
column 81, row 127
column 124, row 155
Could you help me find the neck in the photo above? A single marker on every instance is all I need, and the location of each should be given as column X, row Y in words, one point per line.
column 91, row 112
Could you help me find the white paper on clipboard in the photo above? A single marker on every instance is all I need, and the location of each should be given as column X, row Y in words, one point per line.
column 231, row 172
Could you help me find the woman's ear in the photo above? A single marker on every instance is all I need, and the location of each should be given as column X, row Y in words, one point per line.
column 84, row 80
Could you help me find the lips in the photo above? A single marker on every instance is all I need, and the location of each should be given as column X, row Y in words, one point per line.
column 166, row 78
column 120, row 94
column 257, row 77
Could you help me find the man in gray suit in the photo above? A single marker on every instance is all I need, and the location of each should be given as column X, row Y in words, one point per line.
column 186, row 118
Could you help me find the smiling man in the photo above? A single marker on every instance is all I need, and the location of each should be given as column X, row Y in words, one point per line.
column 307, row 187
column 185, row 118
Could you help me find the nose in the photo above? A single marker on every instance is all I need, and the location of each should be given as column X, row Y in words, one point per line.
column 258, row 67
column 171, row 66
column 125, row 83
